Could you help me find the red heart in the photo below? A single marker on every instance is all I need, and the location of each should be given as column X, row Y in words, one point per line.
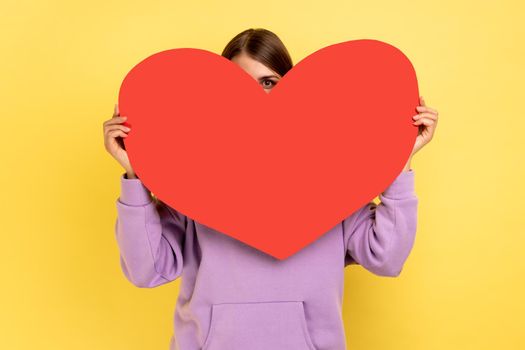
column 275, row 171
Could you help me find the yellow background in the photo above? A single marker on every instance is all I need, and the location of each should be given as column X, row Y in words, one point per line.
column 62, row 63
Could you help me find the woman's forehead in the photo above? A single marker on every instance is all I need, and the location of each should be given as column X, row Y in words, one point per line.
column 253, row 67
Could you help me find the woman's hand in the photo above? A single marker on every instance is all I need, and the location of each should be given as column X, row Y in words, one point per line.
column 427, row 120
column 113, row 134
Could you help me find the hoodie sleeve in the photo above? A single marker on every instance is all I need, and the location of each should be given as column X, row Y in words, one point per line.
column 150, row 236
column 380, row 236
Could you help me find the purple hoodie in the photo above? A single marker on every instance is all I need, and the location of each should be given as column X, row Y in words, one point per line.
column 235, row 297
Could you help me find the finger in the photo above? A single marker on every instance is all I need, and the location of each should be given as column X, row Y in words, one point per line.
column 116, row 133
column 117, row 127
column 427, row 109
column 115, row 120
column 108, row 128
column 424, row 121
column 424, row 114
column 422, row 101
column 116, row 111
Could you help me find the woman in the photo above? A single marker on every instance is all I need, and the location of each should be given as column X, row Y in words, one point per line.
column 233, row 296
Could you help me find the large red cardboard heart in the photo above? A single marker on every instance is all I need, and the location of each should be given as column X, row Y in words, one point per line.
column 275, row 171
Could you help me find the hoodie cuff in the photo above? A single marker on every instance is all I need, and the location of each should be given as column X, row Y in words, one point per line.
column 133, row 192
column 402, row 186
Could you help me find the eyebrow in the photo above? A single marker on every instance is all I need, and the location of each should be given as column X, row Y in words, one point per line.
column 268, row 76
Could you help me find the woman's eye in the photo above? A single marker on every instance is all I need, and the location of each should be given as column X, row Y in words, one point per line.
column 270, row 85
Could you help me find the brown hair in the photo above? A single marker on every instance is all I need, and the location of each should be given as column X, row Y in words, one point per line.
column 261, row 45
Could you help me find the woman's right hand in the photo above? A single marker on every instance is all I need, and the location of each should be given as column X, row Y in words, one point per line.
column 114, row 133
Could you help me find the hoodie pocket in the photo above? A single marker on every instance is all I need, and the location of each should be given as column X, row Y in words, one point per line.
column 258, row 326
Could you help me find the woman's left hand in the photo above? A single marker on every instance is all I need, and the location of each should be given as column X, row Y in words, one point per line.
column 427, row 120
